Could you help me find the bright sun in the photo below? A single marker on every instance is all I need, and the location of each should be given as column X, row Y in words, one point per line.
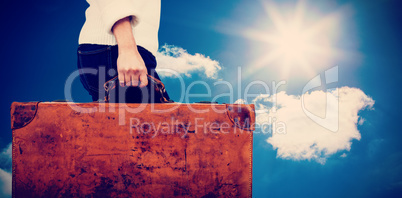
column 293, row 42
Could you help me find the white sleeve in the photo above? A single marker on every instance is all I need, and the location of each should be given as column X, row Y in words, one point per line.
column 113, row 10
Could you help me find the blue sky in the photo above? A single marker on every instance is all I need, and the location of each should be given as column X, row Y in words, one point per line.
column 39, row 53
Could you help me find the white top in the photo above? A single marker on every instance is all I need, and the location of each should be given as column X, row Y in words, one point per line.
column 102, row 14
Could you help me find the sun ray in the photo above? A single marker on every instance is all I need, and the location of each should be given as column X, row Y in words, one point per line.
column 294, row 43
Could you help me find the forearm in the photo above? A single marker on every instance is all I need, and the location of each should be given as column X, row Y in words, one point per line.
column 131, row 68
column 124, row 35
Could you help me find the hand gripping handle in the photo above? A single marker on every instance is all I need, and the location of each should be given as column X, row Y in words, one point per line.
column 158, row 86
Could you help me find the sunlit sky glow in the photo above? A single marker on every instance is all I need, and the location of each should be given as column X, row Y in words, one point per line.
column 296, row 37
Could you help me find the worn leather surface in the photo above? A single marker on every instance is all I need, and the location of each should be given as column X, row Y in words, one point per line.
column 62, row 152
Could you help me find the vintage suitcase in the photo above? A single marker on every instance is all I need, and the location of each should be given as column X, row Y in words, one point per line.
column 131, row 150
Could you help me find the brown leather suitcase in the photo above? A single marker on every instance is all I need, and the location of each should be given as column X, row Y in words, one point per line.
column 65, row 149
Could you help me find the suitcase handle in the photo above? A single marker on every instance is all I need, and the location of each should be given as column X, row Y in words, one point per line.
column 158, row 86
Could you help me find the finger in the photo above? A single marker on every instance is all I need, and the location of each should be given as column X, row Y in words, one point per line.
column 135, row 80
column 144, row 80
column 127, row 79
column 121, row 79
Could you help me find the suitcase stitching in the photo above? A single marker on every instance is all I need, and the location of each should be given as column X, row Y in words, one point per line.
column 13, row 167
column 251, row 166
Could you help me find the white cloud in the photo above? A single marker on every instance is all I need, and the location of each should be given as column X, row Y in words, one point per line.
column 304, row 139
column 344, row 155
column 179, row 60
column 5, row 172
column 240, row 101
column 5, row 181
column 361, row 121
